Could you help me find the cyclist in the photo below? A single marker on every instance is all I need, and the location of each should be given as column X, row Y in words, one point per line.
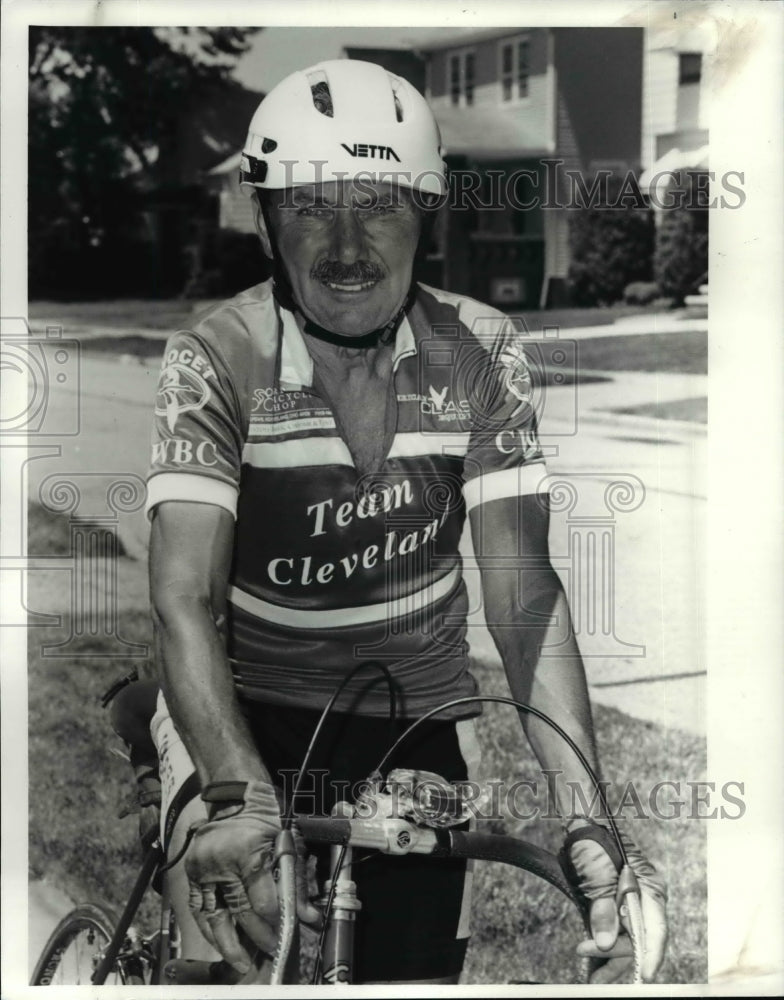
column 319, row 439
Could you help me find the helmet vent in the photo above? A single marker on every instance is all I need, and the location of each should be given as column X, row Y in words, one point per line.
column 396, row 83
column 322, row 96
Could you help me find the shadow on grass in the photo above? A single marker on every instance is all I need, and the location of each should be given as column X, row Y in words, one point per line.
column 49, row 533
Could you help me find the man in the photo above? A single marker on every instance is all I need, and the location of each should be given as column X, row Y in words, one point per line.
column 319, row 439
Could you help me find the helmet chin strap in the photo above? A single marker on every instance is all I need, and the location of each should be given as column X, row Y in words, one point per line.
column 382, row 335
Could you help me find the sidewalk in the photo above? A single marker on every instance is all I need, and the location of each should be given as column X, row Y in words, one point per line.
column 643, row 323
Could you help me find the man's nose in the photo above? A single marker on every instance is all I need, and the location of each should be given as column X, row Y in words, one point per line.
column 347, row 238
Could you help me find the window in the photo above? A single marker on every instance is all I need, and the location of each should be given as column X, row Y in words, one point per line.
column 515, row 69
column 689, row 67
column 462, row 72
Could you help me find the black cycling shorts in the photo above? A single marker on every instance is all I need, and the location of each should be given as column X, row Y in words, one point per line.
column 414, row 922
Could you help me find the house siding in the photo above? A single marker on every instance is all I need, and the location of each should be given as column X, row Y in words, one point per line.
column 661, row 99
column 673, row 114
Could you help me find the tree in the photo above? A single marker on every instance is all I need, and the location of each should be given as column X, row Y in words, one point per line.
column 107, row 113
column 610, row 247
column 680, row 261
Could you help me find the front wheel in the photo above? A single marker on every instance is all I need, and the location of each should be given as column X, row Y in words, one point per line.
column 76, row 946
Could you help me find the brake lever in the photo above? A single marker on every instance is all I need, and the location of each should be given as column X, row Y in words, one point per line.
column 285, row 874
column 629, row 902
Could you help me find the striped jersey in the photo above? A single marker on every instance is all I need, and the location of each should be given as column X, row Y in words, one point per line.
column 331, row 567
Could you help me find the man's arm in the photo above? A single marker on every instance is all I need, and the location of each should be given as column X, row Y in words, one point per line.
column 528, row 615
column 190, row 556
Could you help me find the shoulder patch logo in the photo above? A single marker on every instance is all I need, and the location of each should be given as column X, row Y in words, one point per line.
column 516, row 376
column 180, row 389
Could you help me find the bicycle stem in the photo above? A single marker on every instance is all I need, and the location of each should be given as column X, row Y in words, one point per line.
column 337, row 954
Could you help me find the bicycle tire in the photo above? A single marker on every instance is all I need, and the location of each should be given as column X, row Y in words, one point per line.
column 96, row 923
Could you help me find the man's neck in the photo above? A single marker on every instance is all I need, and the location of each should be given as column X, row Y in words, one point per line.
column 337, row 357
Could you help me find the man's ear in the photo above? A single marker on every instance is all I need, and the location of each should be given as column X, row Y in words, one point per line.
column 261, row 226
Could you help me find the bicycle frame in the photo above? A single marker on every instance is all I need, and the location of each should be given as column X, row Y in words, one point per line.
column 152, row 861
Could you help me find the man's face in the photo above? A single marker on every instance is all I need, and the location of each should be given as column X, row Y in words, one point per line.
column 348, row 249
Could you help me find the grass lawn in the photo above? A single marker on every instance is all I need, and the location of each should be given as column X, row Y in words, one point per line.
column 522, row 929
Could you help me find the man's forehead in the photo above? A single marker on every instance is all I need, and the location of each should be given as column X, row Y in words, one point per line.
column 345, row 191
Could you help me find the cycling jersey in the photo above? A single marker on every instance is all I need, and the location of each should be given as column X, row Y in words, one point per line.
column 331, row 567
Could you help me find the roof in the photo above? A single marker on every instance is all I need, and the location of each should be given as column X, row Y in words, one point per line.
column 490, row 133
column 674, row 160
column 457, row 37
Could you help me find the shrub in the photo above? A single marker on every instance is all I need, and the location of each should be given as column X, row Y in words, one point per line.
column 610, row 247
column 681, row 256
column 641, row 293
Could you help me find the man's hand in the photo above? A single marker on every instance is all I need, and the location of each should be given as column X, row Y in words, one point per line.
column 229, row 866
column 597, row 878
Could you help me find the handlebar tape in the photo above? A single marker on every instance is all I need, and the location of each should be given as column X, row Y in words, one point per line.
column 511, row 851
column 464, row 844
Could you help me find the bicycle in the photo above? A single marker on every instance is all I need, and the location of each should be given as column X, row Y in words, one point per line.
column 424, row 825
column 110, row 950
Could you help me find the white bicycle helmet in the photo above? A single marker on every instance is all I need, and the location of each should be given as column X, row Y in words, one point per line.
column 343, row 119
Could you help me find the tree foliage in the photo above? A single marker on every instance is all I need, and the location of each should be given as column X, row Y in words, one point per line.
column 107, row 110
column 610, row 247
column 681, row 258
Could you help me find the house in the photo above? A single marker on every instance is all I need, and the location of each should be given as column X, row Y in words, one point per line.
column 522, row 108
column 518, row 109
column 676, row 100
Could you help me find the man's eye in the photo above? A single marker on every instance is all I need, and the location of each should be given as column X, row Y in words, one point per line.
column 383, row 208
column 315, row 211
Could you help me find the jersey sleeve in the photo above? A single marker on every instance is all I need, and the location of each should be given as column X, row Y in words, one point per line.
column 197, row 428
column 504, row 457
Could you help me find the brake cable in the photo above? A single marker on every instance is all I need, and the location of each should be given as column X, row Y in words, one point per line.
column 285, row 853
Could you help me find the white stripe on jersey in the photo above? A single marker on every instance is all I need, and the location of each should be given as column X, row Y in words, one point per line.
column 339, row 617
column 410, row 444
column 296, row 453
column 516, row 482
column 193, row 487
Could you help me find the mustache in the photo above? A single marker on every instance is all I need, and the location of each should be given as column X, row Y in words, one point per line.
column 338, row 273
